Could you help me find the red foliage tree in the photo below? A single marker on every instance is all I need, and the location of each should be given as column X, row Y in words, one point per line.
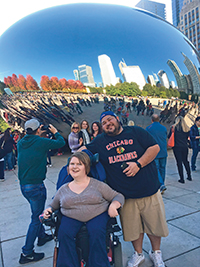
column 15, row 80
column 80, row 85
column 31, row 84
column 8, row 81
column 22, row 82
column 55, row 84
column 63, row 83
column 45, row 83
column 72, row 84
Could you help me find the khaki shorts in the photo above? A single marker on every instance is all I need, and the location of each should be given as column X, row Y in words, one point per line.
column 143, row 215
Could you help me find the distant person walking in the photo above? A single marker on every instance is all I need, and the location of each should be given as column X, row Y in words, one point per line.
column 159, row 132
column 180, row 149
column 195, row 142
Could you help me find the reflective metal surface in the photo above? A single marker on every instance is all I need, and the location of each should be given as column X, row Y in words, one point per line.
column 56, row 41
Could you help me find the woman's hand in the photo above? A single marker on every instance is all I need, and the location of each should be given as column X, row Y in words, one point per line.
column 47, row 213
column 112, row 210
column 80, row 141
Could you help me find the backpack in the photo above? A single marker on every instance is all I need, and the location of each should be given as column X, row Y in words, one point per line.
column 96, row 170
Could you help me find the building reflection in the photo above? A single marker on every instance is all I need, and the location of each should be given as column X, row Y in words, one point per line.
column 154, row 51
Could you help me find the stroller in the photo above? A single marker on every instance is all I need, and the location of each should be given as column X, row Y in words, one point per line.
column 113, row 243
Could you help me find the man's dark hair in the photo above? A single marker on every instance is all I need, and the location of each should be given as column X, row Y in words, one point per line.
column 31, row 132
column 155, row 118
column 197, row 118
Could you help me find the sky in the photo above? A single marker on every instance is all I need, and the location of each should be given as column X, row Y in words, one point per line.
column 14, row 10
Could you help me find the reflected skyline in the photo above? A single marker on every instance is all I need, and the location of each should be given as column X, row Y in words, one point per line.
column 55, row 41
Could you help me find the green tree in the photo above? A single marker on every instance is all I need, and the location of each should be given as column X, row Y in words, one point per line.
column 2, row 86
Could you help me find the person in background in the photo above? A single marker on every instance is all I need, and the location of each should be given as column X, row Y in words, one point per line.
column 2, row 178
column 131, row 123
column 32, row 159
column 95, row 129
column 85, row 132
column 195, row 142
column 180, row 149
column 159, row 133
column 8, row 147
column 73, row 139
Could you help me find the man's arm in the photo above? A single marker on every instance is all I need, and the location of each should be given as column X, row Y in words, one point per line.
column 146, row 158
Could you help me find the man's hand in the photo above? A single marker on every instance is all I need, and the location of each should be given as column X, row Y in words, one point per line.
column 112, row 210
column 52, row 129
column 132, row 169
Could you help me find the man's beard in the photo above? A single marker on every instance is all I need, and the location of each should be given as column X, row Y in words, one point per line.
column 115, row 132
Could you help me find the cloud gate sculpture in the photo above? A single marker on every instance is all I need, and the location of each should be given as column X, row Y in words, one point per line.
column 100, row 44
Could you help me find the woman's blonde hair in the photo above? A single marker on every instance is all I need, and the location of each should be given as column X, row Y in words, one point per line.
column 181, row 124
column 83, row 158
column 74, row 123
column 131, row 123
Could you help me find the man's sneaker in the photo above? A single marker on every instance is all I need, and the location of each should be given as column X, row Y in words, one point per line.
column 2, row 179
column 31, row 257
column 135, row 260
column 156, row 257
column 42, row 241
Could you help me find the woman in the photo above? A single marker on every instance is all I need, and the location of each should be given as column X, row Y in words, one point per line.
column 95, row 129
column 84, row 200
column 180, row 149
column 73, row 139
column 8, row 144
column 85, row 132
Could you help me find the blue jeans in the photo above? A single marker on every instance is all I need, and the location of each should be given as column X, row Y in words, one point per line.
column 194, row 157
column 161, row 166
column 67, row 255
column 36, row 196
column 8, row 161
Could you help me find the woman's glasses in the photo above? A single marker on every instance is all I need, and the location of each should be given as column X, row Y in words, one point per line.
column 75, row 127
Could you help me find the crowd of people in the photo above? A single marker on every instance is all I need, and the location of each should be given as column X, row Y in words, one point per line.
column 134, row 160
column 45, row 107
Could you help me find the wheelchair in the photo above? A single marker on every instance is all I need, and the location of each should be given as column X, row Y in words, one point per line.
column 113, row 244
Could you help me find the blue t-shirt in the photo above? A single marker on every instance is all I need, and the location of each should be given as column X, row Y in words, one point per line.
column 159, row 133
column 128, row 146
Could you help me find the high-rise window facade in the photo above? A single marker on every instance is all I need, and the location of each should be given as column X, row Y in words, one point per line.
column 189, row 21
column 176, row 9
column 154, row 7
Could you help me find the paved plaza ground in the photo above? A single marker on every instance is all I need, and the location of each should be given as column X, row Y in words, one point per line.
column 182, row 203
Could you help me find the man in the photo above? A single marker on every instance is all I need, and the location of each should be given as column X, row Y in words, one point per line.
column 195, row 142
column 32, row 160
column 143, row 211
column 159, row 132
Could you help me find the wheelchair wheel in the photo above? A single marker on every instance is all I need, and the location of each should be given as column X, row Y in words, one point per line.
column 117, row 251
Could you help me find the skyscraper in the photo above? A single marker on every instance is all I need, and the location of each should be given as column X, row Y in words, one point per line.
column 180, row 78
column 151, row 80
column 189, row 21
column 76, row 75
column 163, row 78
column 85, row 75
column 132, row 74
column 107, row 70
column 176, row 9
column 195, row 77
column 154, row 7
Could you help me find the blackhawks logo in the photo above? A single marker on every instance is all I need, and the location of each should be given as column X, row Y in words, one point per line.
column 120, row 150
